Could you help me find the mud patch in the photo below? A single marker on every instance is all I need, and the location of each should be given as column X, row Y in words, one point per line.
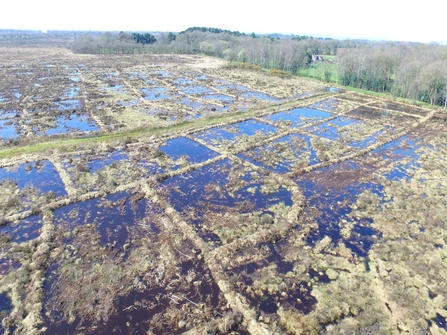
column 384, row 116
column 400, row 108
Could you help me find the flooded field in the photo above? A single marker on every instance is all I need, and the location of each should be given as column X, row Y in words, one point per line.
column 82, row 95
column 323, row 214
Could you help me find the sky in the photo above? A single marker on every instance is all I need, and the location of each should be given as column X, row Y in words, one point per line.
column 418, row 21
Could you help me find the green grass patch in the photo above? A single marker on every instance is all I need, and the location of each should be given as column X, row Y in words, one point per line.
column 330, row 57
column 323, row 71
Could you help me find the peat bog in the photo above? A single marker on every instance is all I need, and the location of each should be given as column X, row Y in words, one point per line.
column 277, row 210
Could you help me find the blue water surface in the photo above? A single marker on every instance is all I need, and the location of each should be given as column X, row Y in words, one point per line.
column 232, row 131
column 181, row 146
column 42, row 175
column 73, row 123
column 8, row 129
column 299, row 116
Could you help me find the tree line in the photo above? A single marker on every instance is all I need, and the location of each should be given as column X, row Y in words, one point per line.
column 212, row 30
column 410, row 70
column 110, row 43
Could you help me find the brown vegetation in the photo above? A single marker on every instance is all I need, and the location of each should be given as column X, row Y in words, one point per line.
column 282, row 230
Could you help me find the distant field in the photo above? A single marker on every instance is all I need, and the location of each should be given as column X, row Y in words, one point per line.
column 319, row 70
column 167, row 194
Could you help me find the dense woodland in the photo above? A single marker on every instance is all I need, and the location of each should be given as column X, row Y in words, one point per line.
column 414, row 71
